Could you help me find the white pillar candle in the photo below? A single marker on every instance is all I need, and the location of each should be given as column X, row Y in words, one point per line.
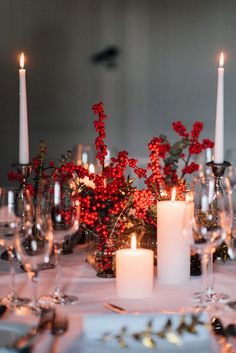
column 219, row 127
column 134, row 272
column 23, row 116
column 173, row 250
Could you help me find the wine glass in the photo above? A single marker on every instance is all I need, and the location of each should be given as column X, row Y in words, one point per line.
column 206, row 223
column 223, row 187
column 9, row 226
column 33, row 244
column 220, row 186
column 231, row 170
column 231, row 174
column 65, row 212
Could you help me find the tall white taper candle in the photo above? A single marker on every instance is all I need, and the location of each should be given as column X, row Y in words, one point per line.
column 23, row 116
column 219, row 127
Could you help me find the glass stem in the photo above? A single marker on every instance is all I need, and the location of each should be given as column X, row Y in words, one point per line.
column 204, row 263
column 210, row 285
column 34, row 280
column 57, row 252
column 12, row 294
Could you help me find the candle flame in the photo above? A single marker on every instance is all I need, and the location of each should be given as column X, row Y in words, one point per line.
column 22, row 61
column 173, row 194
column 133, row 242
column 91, row 168
column 221, row 62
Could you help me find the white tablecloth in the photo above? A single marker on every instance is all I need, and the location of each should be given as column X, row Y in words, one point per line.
column 79, row 278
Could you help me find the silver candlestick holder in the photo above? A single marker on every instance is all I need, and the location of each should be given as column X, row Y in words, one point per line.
column 24, row 170
column 218, row 169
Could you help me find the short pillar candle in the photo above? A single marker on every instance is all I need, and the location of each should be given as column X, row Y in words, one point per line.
column 134, row 272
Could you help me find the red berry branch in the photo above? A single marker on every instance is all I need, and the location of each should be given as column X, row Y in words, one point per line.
column 165, row 158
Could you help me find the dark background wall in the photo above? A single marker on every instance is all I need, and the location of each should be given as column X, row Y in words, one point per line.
column 166, row 69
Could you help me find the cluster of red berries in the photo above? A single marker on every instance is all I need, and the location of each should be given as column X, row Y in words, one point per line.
column 191, row 168
column 180, row 129
column 100, row 128
column 14, row 176
column 196, row 130
column 207, row 143
column 66, row 215
column 191, row 139
column 156, row 177
column 143, row 199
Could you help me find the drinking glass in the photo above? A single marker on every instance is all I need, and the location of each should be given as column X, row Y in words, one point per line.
column 231, row 174
column 65, row 212
column 220, row 186
column 206, row 223
column 231, row 170
column 10, row 224
column 34, row 244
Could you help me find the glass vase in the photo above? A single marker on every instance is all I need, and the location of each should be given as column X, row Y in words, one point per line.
column 101, row 259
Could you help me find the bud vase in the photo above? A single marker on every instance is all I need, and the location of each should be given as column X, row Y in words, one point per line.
column 102, row 260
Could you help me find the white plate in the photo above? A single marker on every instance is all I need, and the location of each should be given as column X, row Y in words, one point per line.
column 10, row 331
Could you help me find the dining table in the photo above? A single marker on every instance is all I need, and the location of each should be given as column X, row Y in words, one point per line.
column 79, row 278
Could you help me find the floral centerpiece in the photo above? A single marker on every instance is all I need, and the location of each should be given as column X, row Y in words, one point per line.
column 112, row 208
column 115, row 208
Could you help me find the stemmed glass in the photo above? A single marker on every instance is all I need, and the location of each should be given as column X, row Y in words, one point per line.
column 231, row 174
column 220, row 186
column 33, row 242
column 223, row 187
column 206, row 223
column 9, row 226
column 65, row 212
column 231, row 170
